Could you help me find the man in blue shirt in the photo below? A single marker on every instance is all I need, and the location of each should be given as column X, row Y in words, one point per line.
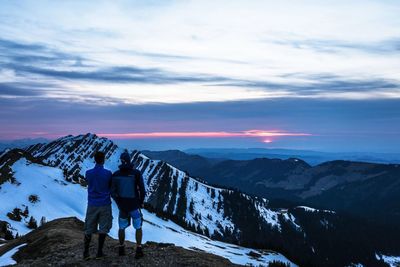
column 98, row 214
column 128, row 192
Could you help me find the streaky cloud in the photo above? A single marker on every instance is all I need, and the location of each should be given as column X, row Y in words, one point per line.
column 387, row 46
column 247, row 133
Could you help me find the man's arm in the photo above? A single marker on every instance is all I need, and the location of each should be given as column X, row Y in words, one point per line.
column 140, row 185
column 87, row 177
column 113, row 187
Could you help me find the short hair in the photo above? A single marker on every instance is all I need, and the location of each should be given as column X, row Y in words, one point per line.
column 99, row 157
column 125, row 158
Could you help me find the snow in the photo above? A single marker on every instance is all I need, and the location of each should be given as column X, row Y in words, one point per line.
column 393, row 261
column 60, row 199
column 204, row 210
column 158, row 230
column 269, row 216
column 6, row 259
column 55, row 199
column 314, row 210
column 307, row 208
column 289, row 217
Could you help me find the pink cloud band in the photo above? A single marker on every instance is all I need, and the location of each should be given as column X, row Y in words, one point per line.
column 249, row 133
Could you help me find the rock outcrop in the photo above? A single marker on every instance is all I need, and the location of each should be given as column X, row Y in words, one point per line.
column 59, row 243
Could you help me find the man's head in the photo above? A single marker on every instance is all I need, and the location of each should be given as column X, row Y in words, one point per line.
column 99, row 157
column 125, row 158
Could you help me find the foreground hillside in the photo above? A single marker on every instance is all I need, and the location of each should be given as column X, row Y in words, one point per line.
column 59, row 242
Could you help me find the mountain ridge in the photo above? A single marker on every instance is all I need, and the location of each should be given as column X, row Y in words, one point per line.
column 328, row 185
column 310, row 156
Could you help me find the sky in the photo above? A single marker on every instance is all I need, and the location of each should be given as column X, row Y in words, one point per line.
column 304, row 74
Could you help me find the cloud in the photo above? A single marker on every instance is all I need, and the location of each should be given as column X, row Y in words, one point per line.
column 119, row 75
column 318, row 85
column 71, row 77
column 16, row 89
column 38, row 59
column 385, row 47
column 188, row 134
column 336, row 124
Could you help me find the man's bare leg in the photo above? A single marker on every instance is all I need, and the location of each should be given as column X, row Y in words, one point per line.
column 139, row 250
column 121, row 237
column 139, row 234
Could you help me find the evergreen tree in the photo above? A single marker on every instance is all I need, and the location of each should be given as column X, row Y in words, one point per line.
column 32, row 224
column 206, row 232
column 15, row 215
column 42, row 221
column 191, row 207
column 33, row 198
column 278, row 264
column 26, row 212
column 7, row 233
column 212, row 193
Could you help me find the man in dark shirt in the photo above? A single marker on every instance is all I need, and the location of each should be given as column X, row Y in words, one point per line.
column 98, row 215
column 128, row 192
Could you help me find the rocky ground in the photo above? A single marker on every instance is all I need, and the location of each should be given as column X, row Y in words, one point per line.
column 59, row 243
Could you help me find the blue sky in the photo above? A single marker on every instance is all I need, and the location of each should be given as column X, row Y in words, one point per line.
column 321, row 75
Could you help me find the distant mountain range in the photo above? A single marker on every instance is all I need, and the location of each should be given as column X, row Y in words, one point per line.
column 311, row 157
column 20, row 143
column 369, row 190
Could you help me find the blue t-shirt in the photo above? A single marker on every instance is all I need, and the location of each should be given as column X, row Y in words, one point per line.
column 99, row 183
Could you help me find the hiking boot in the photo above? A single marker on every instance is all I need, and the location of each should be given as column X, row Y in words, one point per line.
column 100, row 255
column 121, row 250
column 139, row 253
column 86, row 255
column 87, row 239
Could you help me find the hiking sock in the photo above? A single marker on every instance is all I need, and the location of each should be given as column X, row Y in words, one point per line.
column 102, row 238
column 86, row 242
column 139, row 253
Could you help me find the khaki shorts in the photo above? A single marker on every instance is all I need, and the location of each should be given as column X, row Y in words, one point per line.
column 98, row 219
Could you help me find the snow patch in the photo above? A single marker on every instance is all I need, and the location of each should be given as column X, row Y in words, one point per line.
column 308, row 209
column 6, row 259
column 393, row 261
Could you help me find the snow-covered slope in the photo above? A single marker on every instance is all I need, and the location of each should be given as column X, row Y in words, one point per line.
column 6, row 259
column 58, row 198
column 74, row 154
column 192, row 203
